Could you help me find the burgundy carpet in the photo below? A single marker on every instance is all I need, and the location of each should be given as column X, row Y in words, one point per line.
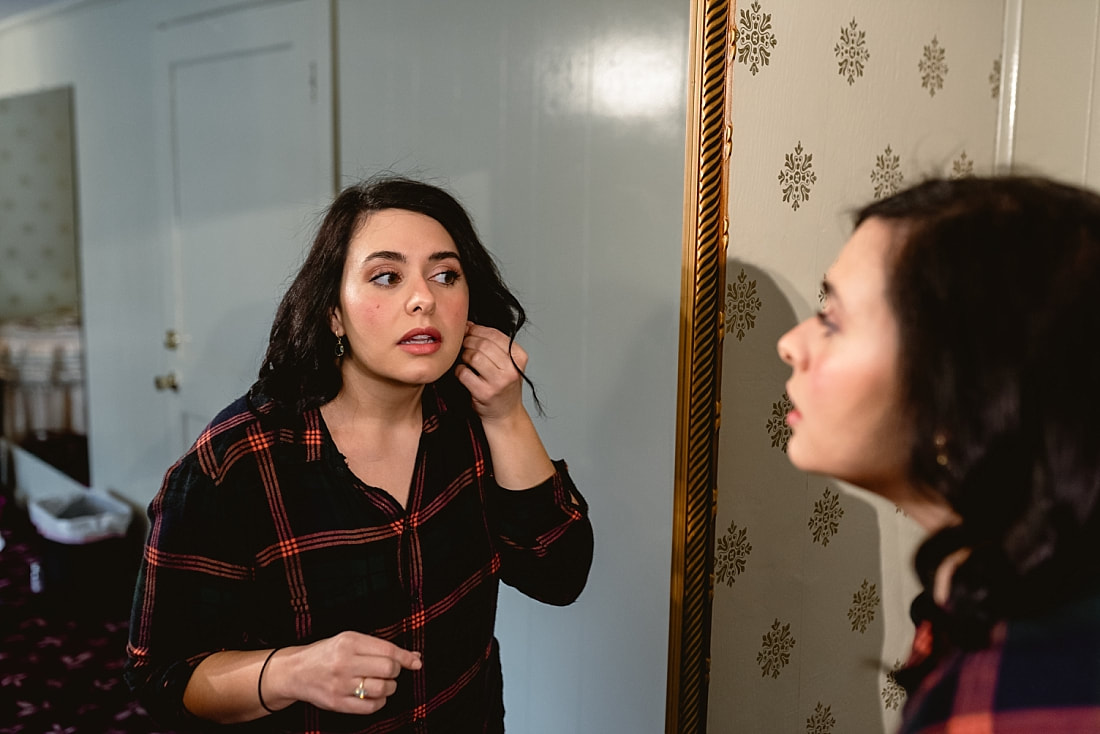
column 62, row 648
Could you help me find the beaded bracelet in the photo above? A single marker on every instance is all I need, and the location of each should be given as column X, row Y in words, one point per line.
column 260, row 680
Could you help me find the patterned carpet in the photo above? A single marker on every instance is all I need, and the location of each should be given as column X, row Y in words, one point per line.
column 62, row 649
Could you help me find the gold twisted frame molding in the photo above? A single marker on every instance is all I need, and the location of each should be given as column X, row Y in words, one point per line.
column 706, row 234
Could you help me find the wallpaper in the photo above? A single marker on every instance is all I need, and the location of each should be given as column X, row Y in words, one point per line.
column 38, row 258
column 833, row 104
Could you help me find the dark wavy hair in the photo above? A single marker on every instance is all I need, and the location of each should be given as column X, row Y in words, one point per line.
column 995, row 284
column 299, row 371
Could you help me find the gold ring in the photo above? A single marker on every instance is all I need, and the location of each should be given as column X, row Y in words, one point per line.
column 361, row 692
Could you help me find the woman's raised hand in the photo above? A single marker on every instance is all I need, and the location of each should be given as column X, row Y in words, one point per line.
column 487, row 371
column 496, row 386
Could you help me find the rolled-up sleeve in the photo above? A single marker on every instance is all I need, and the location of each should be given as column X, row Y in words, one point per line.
column 190, row 595
column 545, row 538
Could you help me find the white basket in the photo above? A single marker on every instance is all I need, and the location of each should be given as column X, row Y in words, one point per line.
column 79, row 519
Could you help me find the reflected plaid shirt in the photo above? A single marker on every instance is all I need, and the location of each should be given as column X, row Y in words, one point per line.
column 1038, row 675
column 261, row 537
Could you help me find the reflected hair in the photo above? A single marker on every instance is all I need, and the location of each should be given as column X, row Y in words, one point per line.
column 299, row 371
column 995, row 283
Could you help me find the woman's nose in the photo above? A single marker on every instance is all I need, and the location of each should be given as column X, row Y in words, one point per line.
column 787, row 346
column 421, row 297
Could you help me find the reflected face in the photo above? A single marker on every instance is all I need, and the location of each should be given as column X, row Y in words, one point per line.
column 848, row 420
column 403, row 300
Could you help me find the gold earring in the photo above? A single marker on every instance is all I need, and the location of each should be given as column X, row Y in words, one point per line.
column 940, row 442
column 339, row 351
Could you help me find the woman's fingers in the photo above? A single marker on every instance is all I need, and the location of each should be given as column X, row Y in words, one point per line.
column 489, row 351
column 375, row 687
column 379, row 670
column 491, row 370
column 386, row 658
column 356, row 673
column 496, row 343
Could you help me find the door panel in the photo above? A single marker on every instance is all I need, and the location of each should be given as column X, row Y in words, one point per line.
column 247, row 164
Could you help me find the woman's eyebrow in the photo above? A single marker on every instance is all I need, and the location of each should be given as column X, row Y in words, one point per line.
column 400, row 257
column 444, row 255
column 386, row 255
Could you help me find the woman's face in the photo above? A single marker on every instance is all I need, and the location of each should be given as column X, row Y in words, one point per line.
column 848, row 419
column 403, row 300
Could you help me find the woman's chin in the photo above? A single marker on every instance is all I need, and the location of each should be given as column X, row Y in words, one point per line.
column 804, row 461
column 795, row 454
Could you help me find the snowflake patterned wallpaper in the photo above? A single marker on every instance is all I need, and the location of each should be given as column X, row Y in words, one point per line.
column 38, row 257
column 834, row 103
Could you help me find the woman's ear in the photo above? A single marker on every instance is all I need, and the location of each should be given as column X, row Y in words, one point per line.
column 336, row 321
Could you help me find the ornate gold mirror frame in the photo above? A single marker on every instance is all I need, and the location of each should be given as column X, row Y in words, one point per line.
column 706, row 233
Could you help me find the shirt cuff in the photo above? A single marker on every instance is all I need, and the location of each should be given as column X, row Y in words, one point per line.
column 557, row 492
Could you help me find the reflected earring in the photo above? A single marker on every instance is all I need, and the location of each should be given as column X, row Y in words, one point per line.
column 339, row 351
column 940, row 442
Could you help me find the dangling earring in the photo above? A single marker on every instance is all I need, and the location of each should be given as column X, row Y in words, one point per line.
column 339, row 351
column 940, row 442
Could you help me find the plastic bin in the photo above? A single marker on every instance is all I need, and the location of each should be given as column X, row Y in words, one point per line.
column 80, row 519
column 88, row 560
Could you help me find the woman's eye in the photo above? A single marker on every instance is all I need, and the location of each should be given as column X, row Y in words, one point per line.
column 824, row 320
column 385, row 278
column 447, row 277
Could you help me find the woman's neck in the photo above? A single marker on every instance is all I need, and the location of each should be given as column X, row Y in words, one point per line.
column 931, row 510
column 374, row 404
column 930, row 515
column 923, row 505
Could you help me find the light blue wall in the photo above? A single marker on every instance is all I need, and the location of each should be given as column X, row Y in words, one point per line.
column 561, row 126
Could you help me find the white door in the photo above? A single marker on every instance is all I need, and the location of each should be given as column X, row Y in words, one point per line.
column 246, row 164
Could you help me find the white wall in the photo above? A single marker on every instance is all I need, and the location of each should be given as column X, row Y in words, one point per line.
column 101, row 49
column 561, row 126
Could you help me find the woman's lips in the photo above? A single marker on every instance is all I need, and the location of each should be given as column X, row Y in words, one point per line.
column 421, row 341
column 793, row 415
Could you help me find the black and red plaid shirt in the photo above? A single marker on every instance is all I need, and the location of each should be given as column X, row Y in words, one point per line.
column 1038, row 676
column 261, row 537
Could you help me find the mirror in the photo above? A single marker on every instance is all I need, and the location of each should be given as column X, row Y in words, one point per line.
column 41, row 342
column 805, row 633
column 561, row 126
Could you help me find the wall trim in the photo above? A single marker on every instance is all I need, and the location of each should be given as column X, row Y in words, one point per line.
column 1005, row 141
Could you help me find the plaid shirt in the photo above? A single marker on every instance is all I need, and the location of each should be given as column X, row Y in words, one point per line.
column 261, row 537
column 1037, row 675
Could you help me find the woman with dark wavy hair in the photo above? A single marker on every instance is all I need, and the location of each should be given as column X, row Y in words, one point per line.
column 326, row 557
column 953, row 370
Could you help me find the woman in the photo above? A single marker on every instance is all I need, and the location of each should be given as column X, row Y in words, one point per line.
column 953, row 370
column 326, row 557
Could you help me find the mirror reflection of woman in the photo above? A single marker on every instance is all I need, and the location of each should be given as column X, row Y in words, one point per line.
column 327, row 555
column 953, row 370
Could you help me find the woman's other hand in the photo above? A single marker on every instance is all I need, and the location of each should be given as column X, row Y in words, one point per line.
column 350, row 672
